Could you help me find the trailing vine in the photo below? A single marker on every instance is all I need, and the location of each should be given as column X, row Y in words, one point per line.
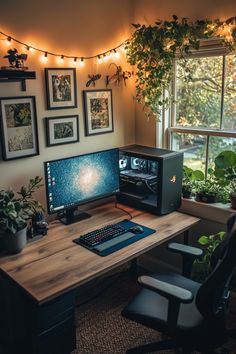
column 153, row 49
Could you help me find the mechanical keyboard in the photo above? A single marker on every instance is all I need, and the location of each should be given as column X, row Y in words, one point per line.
column 98, row 236
column 112, row 237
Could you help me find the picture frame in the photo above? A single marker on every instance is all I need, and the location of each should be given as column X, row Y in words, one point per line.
column 98, row 111
column 62, row 130
column 61, row 88
column 19, row 131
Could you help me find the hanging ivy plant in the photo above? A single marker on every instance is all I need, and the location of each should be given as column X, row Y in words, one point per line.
column 153, row 48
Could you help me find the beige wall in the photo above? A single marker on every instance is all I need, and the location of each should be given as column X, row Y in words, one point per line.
column 79, row 28
column 148, row 11
column 86, row 28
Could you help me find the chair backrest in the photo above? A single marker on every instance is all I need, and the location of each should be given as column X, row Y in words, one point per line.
column 212, row 296
column 221, row 248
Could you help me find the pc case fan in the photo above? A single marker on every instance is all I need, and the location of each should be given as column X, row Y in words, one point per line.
column 123, row 162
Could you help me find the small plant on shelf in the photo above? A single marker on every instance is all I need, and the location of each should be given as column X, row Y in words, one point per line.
column 190, row 177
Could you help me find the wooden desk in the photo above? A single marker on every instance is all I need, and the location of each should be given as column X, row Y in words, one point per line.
column 39, row 283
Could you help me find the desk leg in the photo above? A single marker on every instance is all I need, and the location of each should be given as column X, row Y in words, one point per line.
column 31, row 328
column 134, row 267
column 186, row 237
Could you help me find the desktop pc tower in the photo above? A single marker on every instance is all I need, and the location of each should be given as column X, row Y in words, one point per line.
column 150, row 178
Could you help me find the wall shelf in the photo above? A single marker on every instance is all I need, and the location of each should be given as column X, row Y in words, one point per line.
column 17, row 76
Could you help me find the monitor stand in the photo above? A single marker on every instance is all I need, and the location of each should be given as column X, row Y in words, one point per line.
column 71, row 216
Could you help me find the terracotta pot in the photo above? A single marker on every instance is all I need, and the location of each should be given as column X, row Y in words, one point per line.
column 14, row 243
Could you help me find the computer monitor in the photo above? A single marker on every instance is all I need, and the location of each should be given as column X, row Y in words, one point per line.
column 77, row 180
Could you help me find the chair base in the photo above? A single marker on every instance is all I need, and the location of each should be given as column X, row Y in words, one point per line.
column 152, row 347
column 165, row 345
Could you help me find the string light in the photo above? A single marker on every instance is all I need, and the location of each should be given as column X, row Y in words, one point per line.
column 44, row 58
column 99, row 59
column 8, row 41
column 61, row 59
column 104, row 56
column 81, row 63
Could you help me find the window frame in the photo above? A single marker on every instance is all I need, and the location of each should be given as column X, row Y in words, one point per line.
column 208, row 48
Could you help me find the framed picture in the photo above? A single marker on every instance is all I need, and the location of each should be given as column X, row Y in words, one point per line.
column 19, row 133
column 62, row 130
column 61, row 88
column 98, row 112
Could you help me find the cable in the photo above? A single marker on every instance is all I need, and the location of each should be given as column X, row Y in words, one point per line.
column 130, row 215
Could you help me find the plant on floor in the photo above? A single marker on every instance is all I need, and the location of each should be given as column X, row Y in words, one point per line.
column 153, row 50
column 202, row 267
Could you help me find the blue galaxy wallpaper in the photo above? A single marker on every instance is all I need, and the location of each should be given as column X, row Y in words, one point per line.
column 82, row 178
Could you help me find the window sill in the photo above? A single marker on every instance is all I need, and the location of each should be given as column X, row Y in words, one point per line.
column 217, row 212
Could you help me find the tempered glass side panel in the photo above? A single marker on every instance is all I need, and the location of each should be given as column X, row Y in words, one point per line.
column 138, row 178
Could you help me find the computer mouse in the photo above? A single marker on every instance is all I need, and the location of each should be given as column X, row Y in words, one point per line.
column 136, row 229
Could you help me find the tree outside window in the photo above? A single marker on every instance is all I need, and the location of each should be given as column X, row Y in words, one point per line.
column 204, row 121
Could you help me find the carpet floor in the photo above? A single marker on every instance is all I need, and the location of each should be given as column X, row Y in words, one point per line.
column 102, row 330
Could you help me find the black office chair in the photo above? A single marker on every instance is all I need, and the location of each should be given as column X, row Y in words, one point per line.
column 193, row 315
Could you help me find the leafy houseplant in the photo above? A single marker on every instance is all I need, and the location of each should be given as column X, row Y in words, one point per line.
column 202, row 267
column 153, row 49
column 15, row 209
column 225, row 172
column 190, row 177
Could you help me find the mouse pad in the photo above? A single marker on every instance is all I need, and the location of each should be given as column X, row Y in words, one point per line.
column 121, row 241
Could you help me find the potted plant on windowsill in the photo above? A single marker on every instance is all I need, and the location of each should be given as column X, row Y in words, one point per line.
column 225, row 172
column 190, row 177
column 15, row 209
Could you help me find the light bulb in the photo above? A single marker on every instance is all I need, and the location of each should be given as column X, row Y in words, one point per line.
column 106, row 57
column 81, row 63
column 44, row 58
column 8, row 41
column 99, row 60
column 61, row 59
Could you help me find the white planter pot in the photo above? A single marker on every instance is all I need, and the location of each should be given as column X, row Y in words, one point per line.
column 14, row 243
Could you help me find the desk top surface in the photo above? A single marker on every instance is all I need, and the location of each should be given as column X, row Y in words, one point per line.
column 54, row 264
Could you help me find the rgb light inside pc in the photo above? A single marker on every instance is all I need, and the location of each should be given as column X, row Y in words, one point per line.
column 77, row 180
column 150, row 178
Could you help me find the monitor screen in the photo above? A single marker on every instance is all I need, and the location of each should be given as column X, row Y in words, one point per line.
column 79, row 179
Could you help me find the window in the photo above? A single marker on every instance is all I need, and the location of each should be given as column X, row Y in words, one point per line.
column 203, row 118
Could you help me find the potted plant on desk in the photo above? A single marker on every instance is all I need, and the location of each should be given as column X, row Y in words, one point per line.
column 15, row 209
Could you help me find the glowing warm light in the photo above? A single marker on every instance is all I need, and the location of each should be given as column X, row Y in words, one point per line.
column 106, row 57
column 8, row 41
column 75, row 61
column 61, row 59
column 99, row 59
column 124, row 49
column 81, row 63
column 30, row 49
column 116, row 54
column 44, row 58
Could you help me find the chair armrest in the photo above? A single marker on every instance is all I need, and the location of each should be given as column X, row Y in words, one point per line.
column 165, row 289
column 189, row 254
column 175, row 295
column 185, row 250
